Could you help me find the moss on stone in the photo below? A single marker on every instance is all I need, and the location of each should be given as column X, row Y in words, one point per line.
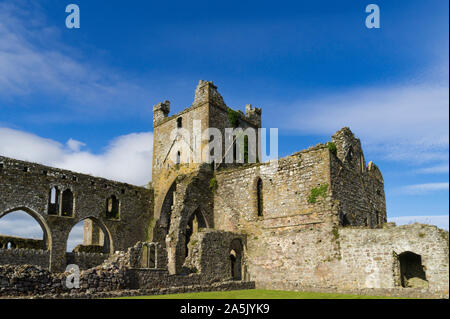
column 316, row 192
column 233, row 117
column 213, row 184
column 332, row 147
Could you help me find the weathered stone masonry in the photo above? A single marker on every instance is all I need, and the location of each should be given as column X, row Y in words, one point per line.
column 27, row 186
column 315, row 220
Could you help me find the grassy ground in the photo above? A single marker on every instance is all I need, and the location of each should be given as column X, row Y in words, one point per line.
column 258, row 294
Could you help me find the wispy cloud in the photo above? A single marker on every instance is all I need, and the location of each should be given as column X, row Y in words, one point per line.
column 437, row 169
column 21, row 224
column 406, row 123
column 438, row 220
column 35, row 62
column 426, row 188
column 127, row 158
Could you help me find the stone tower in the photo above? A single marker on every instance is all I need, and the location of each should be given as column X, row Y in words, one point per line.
column 174, row 155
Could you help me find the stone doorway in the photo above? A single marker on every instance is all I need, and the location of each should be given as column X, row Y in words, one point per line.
column 412, row 272
column 236, row 252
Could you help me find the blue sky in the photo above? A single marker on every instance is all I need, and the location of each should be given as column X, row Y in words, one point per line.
column 312, row 66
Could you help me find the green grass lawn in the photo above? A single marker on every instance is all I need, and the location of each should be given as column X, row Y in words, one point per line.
column 258, row 294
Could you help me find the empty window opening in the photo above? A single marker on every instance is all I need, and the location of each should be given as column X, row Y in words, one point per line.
column 53, row 202
column 349, row 156
column 259, row 197
column 166, row 211
column 179, row 122
column 412, row 272
column 149, row 256
column 236, row 253
column 95, row 239
column 2, row 165
column 112, row 207
column 195, row 223
column 344, row 220
column 25, row 169
column 178, row 159
column 29, row 232
column 67, row 203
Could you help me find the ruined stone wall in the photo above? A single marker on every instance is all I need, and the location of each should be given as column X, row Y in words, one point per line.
column 369, row 257
column 18, row 242
column 165, row 148
column 26, row 186
column 86, row 260
column 21, row 256
column 209, row 254
column 359, row 188
column 119, row 272
column 293, row 236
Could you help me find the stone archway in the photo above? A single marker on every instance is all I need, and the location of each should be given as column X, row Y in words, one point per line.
column 91, row 225
column 236, row 256
column 47, row 238
column 412, row 272
column 165, row 214
column 196, row 222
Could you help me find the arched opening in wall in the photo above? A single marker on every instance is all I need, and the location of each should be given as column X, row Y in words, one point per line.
column 349, row 155
column 236, row 254
column 344, row 221
column 166, row 211
column 195, row 223
column 412, row 272
column 67, row 203
column 112, row 208
column 259, row 197
column 89, row 236
column 179, row 122
column 23, row 228
column 53, row 201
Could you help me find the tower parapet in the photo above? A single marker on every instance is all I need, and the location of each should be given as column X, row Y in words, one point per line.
column 206, row 92
column 160, row 112
column 253, row 114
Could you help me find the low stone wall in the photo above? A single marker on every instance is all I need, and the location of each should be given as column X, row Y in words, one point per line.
column 25, row 256
column 85, row 260
column 115, row 274
column 17, row 242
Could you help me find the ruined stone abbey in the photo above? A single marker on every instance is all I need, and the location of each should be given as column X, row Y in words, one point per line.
column 315, row 221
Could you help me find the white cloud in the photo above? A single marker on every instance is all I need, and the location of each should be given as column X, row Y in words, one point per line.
column 20, row 224
column 438, row 220
column 127, row 158
column 75, row 236
column 407, row 123
column 437, row 169
column 34, row 61
column 75, row 145
column 426, row 188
